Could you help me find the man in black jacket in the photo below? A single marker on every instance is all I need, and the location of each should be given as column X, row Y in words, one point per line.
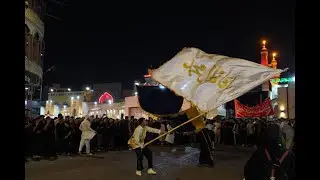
column 271, row 160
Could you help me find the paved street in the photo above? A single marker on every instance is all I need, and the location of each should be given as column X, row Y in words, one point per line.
column 121, row 166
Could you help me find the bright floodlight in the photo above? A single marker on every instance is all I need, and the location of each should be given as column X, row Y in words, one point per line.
column 87, row 88
column 47, row 102
column 50, row 101
column 69, row 89
column 109, row 101
column 51, row 90
column 161, row 87
column 78, row 97
column 72, row 97
column 135, row 93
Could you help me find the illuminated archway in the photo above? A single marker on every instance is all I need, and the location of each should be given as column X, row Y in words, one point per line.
column 105, row 97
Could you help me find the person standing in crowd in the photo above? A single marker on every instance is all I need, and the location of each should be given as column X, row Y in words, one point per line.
column 271, row 160
column 67, row 144
column 235, row 131
column 125, row 132
column 48, row 133
column 60, row 134
column 87, row 134
column 94, row 140
column 137, row 143
column 217, row 132
column 210, row 128
column 288, row 132
column 243, row 133
column 38, row 139
column 250, row 133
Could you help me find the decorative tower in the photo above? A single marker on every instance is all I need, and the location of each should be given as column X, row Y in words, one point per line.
column 264, row 61
column 274, row 65
column 264, row 54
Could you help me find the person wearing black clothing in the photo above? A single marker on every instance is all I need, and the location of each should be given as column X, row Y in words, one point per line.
column 271, row 155
column 206, row 148
column 67, row 140
column 125, row 131
column 94, row 140
column 77, row 135
column 60, row 134
column 38, row 137
column 100, row 134
column 117, row 135
column 48, row 135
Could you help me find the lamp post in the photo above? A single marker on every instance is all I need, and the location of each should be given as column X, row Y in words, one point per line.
column 41, row 82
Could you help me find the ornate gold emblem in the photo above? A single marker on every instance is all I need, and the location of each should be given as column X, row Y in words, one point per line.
column 215, row 75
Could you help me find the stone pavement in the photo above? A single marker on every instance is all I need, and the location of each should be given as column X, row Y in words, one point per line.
column 121, row 166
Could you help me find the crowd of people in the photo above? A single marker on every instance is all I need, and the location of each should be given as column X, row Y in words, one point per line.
column 48, row 138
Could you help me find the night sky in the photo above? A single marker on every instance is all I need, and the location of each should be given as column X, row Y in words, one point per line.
column 98, row 42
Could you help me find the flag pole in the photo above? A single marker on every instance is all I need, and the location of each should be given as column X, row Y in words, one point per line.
column 173, row 129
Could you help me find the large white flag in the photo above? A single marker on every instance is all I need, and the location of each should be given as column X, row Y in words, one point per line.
column 210, row 80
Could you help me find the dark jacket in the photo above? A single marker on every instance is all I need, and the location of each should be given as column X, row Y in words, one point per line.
column 259, row 167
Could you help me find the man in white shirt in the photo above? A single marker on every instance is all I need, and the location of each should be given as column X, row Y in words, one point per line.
column 137, row 143
column 87, row 134
column 288, row 131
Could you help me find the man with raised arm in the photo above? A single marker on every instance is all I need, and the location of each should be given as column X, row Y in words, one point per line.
column 137, row 143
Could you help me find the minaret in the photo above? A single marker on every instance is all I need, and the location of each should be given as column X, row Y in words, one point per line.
column 264, row 61
column 264, row 54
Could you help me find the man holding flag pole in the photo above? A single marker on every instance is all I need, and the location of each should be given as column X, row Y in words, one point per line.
column 208, row 81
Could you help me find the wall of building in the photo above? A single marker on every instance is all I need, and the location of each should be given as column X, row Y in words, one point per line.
column 286, row 101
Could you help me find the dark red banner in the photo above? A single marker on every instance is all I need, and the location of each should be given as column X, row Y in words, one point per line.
column 261, row 110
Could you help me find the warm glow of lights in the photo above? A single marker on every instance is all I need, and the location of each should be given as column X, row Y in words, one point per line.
column 264, row 42
column 282, row 108
column 274, row 55
column 147, row 76
column 282, row 115
column 135, row 93
column 50, row 101
column 47, row 102
column 104, row 97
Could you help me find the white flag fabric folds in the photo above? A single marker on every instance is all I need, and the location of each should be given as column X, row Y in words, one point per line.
column 210, row 80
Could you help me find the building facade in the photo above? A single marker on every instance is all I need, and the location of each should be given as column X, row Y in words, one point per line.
column 34, row 46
